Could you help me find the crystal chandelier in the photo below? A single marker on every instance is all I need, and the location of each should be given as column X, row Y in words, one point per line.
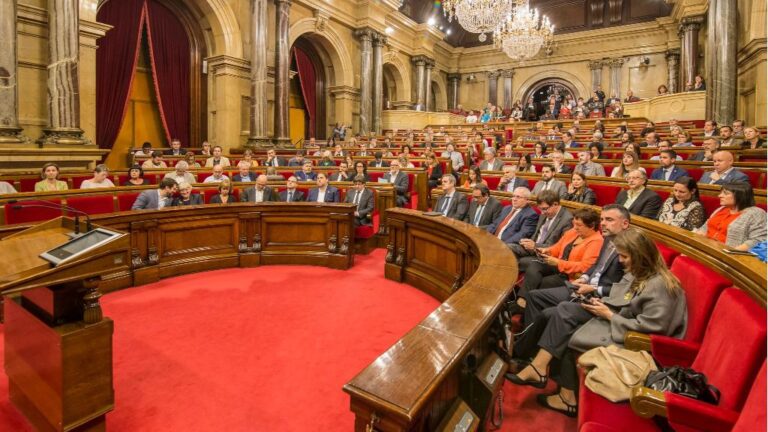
column 477, row 16
column 523, row 33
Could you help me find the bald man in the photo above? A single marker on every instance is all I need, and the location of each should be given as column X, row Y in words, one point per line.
column 259, row 192
column 724, row 171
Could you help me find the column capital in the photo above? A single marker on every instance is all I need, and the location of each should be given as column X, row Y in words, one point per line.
column 674, row 52
column 595, row 64
column 493, row 74
column 454, row 77
column 419, row 60
column 287, row 2
column 430, row 63
column 508, row 73
column 691, row 23
column 379, row 39
column 616, row 63
column 365, row 34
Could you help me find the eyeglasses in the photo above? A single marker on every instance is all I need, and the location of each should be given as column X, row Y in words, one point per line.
column 543, row 209
column 519, row 197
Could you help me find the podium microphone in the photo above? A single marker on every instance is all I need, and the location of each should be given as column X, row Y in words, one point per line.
column 20, row 205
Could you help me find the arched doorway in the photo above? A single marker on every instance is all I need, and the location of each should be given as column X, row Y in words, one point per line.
column 391, row 86
column 543, row 90
column 308, row 101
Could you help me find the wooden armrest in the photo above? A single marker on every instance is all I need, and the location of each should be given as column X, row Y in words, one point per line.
column 637, row 341
column 647, row 402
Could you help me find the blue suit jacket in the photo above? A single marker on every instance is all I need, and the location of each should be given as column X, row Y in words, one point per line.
column 677, row 172
column 522, row 226
column 331, row 195
column 302, row 176
column 733, row 176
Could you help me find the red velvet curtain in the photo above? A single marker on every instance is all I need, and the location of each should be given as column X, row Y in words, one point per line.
column 308, row 85
column 170, row 52
column 115, row 65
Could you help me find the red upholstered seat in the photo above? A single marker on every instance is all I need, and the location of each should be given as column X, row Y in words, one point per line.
column 78, row 180
column 28, row 184
column 201, row 176
column 26, row 213
column 695, row 173
column 664, row 194
column 125, row 200
column 374, row 176
column 493, row 181
column 667, row 253
column 94, row 204
column 208, row 193
column 606, row 194
column 755, row 177
column 752, row 417
column 710, row 203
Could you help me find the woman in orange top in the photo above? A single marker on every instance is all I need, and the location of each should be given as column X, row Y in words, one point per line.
column 474, row 177
column 575, row 252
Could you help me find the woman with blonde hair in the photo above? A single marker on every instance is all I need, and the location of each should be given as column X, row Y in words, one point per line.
column 648, row 299
column 630, row 161
column 225, row 194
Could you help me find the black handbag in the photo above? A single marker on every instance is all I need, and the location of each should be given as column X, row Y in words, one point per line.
column 685, row 382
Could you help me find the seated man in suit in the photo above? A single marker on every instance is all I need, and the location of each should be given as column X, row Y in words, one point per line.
column 549, row 182
column 180, row 174
column 378, row 162
column 363, row 199
column 452, row 203
column 244, row 174
column 175, row 149
column 517, row 221
column 323, row 192
column 342, row 174
column 484, row 208
column 274, row 160
column 291, row 194
column 306, row 173
column 667, row 169
column 339, row 152
column 155, row 199
column 490, row 163
column 553, row 222
column 587, row 167
column 260, row 192
column 217, row 175
column 297, row 160
column 217, row 159
column 509, row 182
column 724, row 171
column 638, row 199
column 400, row 182
column 710, row 146
column 557, row 162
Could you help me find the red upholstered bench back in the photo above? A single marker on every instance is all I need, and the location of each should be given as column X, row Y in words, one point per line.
column 667, row 253
column 733, row 347
column 710, row 203
column 18, row 213
column 695, row 173
column 208, row 194
column 125, row 200
column 755, row 177
column 202, row 176
column 606, row 194
column 493, row 182
column 752, row 416
column 28, row 184
column 78, row 180
column 702, row 288
column 94, row 204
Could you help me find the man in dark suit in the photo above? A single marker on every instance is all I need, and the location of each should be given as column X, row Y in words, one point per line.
column 517, row 221
column 323, row 192
column 667, row 169
column 452, row 203
column 378, row 162
column 260, row 192
column 558, row 164
column 175, row 149
column 363, row 199
column 491, row 163
column 724, row 171
column 509, row 182
column 306, row 173
column 342, row 174
column 638, row 199
column 274, row 160
column 400, row 182
column 553, row 222
column 291, row 194
column 244, row 174
column 155, row 199
column 484, row 208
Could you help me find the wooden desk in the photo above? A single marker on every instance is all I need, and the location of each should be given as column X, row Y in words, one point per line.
column 413, row 384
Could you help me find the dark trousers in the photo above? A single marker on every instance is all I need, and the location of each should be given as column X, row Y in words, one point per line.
column 540, row 275
column 551, row 329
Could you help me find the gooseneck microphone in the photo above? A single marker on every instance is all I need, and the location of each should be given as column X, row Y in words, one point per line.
column 20, row 205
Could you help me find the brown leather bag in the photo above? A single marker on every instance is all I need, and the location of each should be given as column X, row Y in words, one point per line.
column 612, row 371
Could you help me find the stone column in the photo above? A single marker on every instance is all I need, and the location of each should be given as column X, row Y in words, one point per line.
column 258, row 116
column 721, row 60
column 282, row 136
column 493, row 85
column 419, row 62
column 63, row 79
column 508, row 74
column 596, row 72
column 379, row 40
column 10, row 132
column 673, row 70
column 616, row 65
column 453, row 90
column 689, row 35
column 428, row 85
column 366, row 36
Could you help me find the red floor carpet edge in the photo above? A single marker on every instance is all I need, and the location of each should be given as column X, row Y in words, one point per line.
column 259, row 349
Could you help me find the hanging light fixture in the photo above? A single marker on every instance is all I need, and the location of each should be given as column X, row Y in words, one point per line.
column 523, row 33
column 477, row 16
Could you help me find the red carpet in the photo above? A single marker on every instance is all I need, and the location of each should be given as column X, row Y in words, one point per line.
column 259, row 349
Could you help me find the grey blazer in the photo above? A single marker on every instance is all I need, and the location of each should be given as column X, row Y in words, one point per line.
column 497, row 165
column 458, row 208
column 249, row 194
column 749, row 228
column 490, row 213
column 149, row 200
column 653, row 310
column 364, row 207
column 562, row 223
column 555, row 185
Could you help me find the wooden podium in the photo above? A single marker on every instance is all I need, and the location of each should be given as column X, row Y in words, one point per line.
column 58, row 347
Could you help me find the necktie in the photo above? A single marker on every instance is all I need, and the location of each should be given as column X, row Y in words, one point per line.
column 290, row 196
column 610, row 250
column 446, row 205
column 546, row 185
column 544, row 230
column 356, row 201
column 478, row 215
column 505, row 223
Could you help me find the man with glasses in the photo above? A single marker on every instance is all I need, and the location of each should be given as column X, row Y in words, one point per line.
column 517, row 221
column 363, row 200
column 638, row 199
column 484, row 208
column 291, row 194
column 451, row 204
column 553, row 222
column 399, row 181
